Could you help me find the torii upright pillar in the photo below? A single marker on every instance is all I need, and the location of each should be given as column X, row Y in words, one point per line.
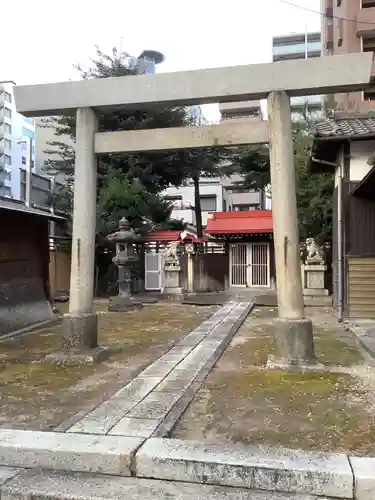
column 294, row 338
column 80, row 325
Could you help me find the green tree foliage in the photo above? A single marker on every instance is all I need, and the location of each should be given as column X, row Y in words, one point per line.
column 128, row 184
column 253, row 162
column 314, row 192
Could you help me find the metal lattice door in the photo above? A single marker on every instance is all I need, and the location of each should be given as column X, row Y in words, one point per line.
column 259, row 268
column 238, row 264
column 154, row 275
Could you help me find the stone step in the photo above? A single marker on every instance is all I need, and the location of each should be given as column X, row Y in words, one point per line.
column 49, row 485
column 69, row 452
column 240, row 466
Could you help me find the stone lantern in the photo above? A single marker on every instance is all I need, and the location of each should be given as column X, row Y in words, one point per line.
column 125, row 259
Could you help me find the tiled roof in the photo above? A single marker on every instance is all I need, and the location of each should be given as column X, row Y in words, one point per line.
column 252, row 222
column 346, row 127
column 17, row 206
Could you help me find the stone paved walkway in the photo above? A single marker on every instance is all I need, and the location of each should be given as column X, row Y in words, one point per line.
column 142, row 406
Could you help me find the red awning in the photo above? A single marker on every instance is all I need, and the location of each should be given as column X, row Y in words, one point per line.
column 252, row 222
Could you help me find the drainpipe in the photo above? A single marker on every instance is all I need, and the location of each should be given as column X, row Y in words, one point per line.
column 340, row 238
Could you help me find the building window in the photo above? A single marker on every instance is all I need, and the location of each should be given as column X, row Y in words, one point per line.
column 7, row 144
column 8, row 129
column 27, row 133
column 208, row 203
column 7, row 160
column 368, row 4
column 7, row 176
column 174, row 201
column 369, row 96
column 6, row 191
column 339, row 2
column 368, row 44
column 7, row 97
column 8, row 113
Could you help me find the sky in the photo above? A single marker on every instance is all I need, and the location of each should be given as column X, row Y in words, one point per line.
column 46, row 38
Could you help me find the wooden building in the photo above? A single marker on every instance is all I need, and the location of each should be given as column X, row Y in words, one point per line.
column 344, row 146
column 24, row 266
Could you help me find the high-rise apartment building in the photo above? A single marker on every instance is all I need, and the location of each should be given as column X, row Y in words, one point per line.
column 349, row 26
column 13, row 127
column 300, row 46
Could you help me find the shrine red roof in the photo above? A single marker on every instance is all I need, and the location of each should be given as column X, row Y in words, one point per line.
column 164, row 236
column 169, row 235
column 252, row 222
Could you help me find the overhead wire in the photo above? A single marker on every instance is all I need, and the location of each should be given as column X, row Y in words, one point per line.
column 302, row 7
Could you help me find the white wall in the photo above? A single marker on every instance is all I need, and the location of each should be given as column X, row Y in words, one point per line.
column 360, row 152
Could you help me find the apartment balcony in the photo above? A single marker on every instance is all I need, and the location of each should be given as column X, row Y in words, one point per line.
column 246, row 109
column 366, row 22
column 296, row 51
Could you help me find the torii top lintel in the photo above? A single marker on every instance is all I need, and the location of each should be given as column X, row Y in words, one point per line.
column 323, row 75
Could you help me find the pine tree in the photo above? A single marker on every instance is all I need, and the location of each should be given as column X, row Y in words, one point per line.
column 128, row 185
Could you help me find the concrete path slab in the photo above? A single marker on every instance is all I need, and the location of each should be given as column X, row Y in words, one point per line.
column 47, row 485
column 139, row 427
column 7, row 473
column 157, row 391
column 60, row 451
column 253, row 467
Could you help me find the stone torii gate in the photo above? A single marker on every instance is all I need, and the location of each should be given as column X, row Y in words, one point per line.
column 276, row 82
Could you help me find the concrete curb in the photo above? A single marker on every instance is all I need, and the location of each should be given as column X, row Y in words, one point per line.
column 69, row 452
column 366, row 341
column 30, row 329
column 250, row 467
column 49, row 485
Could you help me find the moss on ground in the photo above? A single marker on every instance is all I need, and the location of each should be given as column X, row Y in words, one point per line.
column 241, row 401
column 38, row 395
column 331, row 348
column 311, row 411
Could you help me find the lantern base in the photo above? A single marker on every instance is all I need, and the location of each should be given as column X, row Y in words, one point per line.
column 124, row 304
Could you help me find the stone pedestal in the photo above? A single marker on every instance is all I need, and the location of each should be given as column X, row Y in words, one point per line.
column 80, row 344
column 80, row 331
column 172, row 279
column 313, row 279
